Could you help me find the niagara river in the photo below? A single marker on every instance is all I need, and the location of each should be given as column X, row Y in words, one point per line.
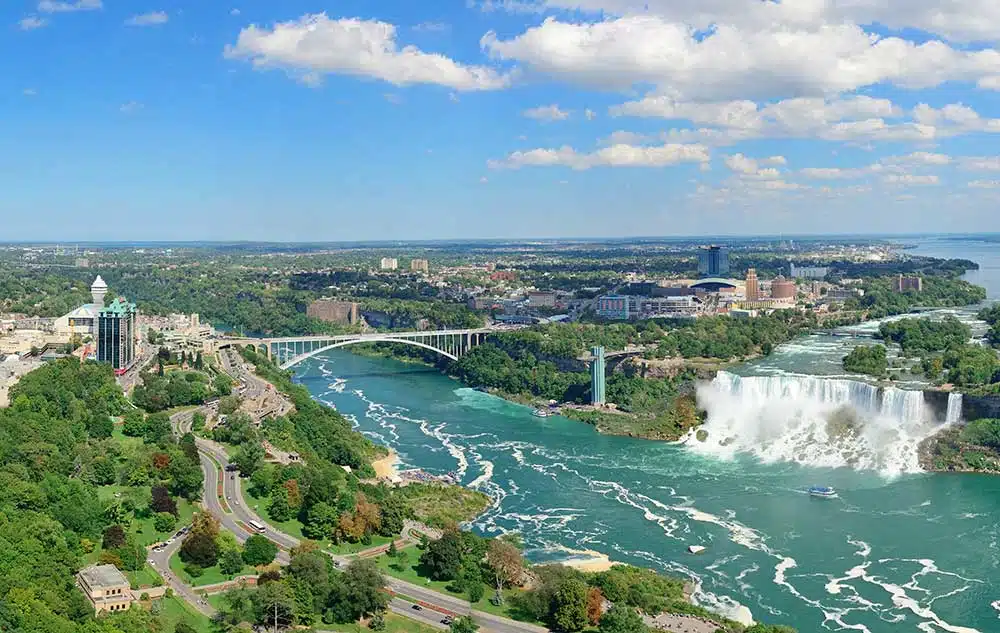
column 898, row 550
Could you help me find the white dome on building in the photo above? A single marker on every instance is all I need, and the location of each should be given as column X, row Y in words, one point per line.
column 98, row 290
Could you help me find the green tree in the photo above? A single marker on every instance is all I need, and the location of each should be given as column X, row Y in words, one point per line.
column 231, row 562
column 249, row 458
column 258, row 550
column 377, row 623
column 274, row 605
column 114, row 537
column 280, row 510
column 569, row 606
column 132, row 554
column 134, row 424
column 622, row 619
column 463, row 624
column 164, row 522
column 443, row 557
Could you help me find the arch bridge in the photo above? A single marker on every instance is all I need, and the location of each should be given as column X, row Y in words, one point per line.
column 292, row 350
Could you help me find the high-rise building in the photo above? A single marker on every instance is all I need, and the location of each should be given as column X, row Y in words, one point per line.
column 597, row 367
column 389, row 263
column 116, row 332
column 419, row 265
column 807, row 272
column 713, row 261
column 753, row 286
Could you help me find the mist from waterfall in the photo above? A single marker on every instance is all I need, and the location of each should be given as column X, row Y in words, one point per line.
column 816, row 422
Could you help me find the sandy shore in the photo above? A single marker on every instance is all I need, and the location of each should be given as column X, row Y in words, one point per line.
column 385, row 468
column 588, row 561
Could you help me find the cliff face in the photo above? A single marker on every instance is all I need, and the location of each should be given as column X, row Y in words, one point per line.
column 980, row 407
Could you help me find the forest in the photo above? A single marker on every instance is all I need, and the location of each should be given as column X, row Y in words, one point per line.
column 867, row 359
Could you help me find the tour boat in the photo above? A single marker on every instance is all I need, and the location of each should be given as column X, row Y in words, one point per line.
column 696, row 549
column 822, row 491
column 540, row 413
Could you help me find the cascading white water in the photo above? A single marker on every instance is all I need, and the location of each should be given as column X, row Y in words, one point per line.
column 954, row 414
column 814, row 421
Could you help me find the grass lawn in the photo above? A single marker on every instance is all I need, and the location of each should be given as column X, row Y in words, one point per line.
column 410, row 573
column 210, row 576
column 146, row 577
column 393, row 624
column 174, row 610
column 215, row 600
column 143, row 528
column 260, row 504
column 353, row 548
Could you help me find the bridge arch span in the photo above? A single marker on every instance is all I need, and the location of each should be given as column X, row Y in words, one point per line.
column 387, row 339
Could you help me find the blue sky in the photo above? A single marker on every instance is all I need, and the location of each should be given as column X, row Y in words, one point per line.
column 416, row 120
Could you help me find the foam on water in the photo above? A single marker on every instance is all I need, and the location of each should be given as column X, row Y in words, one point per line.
column 817, row 422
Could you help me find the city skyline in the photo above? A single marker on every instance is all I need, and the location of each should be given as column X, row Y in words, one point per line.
column 315, row 122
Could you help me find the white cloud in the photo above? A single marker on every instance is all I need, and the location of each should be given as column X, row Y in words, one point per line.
column 589, row 114
column 148, row 19
column 368, row 48
column 985, row 184
column 834, row 173
column 774, row 160
column 29, row 92
column 55, row 6
column 234, row 12
column 981, row 163
column 546, row 113
column 130, row 107
column 919, row 158
column 966, row 20
column 727, row 62
column 483, row 180
column 911, row 179
column 432, row 27
column 31, row 23
column 620, row 155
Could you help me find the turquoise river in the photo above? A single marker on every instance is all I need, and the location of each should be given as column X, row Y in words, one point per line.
column 898, row 550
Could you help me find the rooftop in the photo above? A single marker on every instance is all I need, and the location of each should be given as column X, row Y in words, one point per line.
column 103, row 576
column 119, row 307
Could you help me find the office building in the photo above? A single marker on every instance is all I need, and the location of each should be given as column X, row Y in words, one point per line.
column 782, row 288
column 713, row 261
column 106, row 588
column 389, row 263
column 624, row 308
column 752, row 292
column 597, row 368
column 615, row 307
column 905, row 284
column 807, row 272
column 116, row 333
column 333, row 311
column 419, row 266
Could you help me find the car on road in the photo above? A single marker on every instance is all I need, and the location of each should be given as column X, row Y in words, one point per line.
column 417, row 607
column 446, row 620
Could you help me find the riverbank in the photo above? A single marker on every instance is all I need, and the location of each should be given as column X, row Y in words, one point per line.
column 386, row 468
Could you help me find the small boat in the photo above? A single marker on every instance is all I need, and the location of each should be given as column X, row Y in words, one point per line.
column 696, row 549
column 540, row 413
column 822, row 491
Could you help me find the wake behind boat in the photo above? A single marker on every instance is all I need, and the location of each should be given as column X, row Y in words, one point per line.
column 540, row 413
column 822, row 491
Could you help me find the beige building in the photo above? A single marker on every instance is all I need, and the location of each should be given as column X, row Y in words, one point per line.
column 419, row 265
column 107, row 588
column 389, row 263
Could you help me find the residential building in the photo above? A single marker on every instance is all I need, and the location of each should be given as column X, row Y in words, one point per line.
column 905, row 284
column 106, row 588
column 613, row 307
column 782, row 288
column 419, row 265
column 752, row 292
column 541, row 299
column 713, row 261
column 389, row 263
column 116, row 334
column 483, row 303
column 333, row 311
column 807, row 272
column 503, row 275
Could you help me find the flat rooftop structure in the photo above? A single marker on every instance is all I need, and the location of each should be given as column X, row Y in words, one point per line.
column 103, row 577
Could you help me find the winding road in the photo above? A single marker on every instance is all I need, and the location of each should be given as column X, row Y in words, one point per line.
column 234, row 515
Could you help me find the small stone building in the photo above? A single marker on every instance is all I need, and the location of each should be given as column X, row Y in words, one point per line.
column 107, row 588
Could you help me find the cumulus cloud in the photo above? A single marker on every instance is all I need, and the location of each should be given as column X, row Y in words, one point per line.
column 620, row 155
column 967, row 20
column 130, row 108
column 546, row 113
column 730, row 62
column 315, row 44
column 31, row 23
column 56, row 6
column 981, row 163
column 985, row 184
column 751, row 168
column 911, row 179
column 148, row 19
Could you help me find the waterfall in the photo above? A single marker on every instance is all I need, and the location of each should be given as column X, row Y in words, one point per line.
column 814, row 421
column 954, row 414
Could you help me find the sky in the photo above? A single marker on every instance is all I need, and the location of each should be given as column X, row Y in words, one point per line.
column 394, row 119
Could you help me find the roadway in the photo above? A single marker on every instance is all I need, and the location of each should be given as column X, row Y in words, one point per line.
column 435, row 605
